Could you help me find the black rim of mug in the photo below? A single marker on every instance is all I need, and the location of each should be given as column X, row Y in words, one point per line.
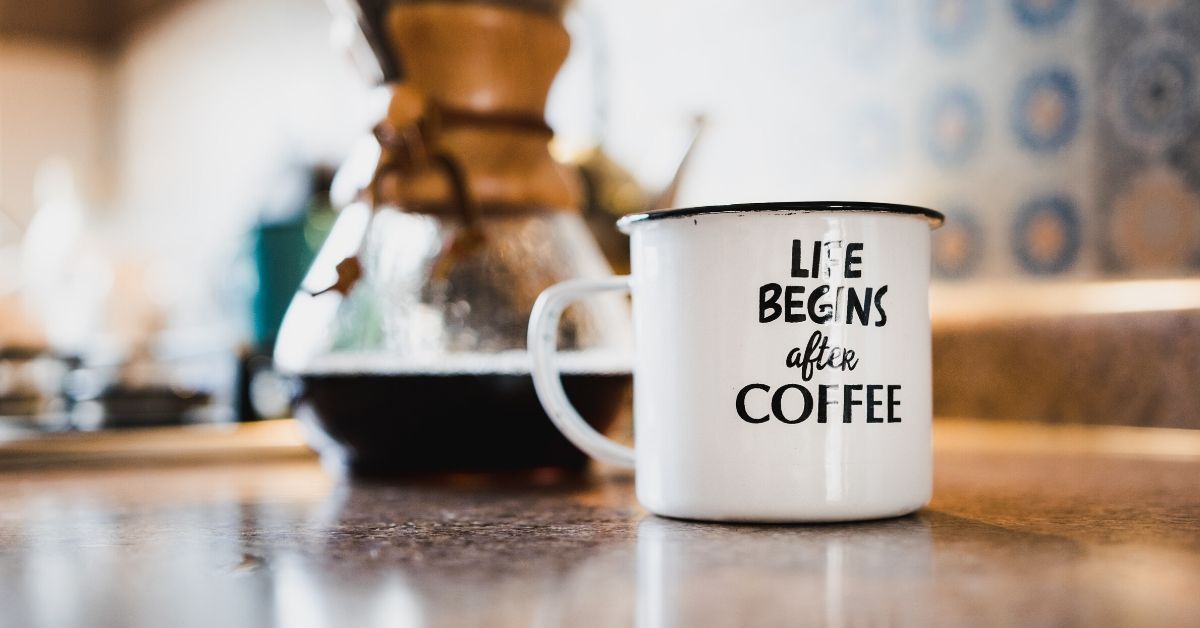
column 935, row 218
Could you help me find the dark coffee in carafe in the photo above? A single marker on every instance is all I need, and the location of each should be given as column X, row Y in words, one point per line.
column 439, row 420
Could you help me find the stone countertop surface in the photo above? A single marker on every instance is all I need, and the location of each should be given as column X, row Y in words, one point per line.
column 1030, row 525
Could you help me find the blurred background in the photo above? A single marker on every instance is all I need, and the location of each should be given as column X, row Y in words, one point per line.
column 166, row 169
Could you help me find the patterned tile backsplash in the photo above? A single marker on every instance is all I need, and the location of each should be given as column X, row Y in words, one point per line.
column 1082, row 122
column 1061, row 136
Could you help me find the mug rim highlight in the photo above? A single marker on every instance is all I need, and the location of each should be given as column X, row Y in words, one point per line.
column 935, row 218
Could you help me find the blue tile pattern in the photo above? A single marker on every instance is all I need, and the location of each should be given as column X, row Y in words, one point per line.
column 1042, row 15
column 1046, row 235
column 952, row 24
column 1046, row 110
column 953, row 126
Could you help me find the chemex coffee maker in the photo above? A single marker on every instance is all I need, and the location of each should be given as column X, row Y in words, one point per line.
column 408, row 334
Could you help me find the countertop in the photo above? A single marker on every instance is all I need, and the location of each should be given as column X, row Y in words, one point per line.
column 1030, row 525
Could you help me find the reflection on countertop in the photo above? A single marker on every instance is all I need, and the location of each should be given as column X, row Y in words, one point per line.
column 1094, row 532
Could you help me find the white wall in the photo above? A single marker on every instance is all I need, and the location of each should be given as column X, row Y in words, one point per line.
column 181, row 138
column 215, row 103
column 53, row 103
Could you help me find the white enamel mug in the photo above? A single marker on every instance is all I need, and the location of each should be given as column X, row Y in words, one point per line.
column 782, row 367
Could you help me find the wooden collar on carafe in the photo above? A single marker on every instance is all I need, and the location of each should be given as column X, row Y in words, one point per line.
column 413, row 145
column 464, row 131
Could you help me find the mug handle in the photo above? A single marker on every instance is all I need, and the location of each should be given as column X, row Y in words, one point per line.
column 542, row 342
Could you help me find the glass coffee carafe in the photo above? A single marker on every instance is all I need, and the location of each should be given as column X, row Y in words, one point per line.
column 408, row 334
